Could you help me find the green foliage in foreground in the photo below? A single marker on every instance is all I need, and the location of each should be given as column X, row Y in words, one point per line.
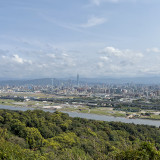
column 56, row 136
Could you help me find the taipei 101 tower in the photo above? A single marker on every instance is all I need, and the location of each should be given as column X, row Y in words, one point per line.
column 77, row 80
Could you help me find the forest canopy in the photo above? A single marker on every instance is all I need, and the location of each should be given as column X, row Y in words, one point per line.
column 44, row 135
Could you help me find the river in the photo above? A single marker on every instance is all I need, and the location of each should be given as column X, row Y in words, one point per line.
column 93, row 116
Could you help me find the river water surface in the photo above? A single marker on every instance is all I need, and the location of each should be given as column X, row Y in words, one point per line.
column 93, row 116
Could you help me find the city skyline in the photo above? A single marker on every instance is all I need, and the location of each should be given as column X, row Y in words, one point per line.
column 95, row 38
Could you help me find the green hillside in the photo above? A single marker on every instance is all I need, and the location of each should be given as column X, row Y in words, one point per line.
column 44, row 135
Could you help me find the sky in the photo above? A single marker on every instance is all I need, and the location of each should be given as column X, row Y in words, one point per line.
column 94, row 38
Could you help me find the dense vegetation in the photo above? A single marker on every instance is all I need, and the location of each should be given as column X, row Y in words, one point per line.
column 43, row 135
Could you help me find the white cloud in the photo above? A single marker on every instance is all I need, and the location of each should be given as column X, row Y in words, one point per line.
column 119, row 62
column 93, row 22
column 100, row 65
column 98, row 2
column 46, row 61
column 155, row 50
column 65, row 54
column 104, row 58
column 112, row 51
column 73, row 27
column 41, row 59
column 51, row 55
column 17, row 59
column 125, row 54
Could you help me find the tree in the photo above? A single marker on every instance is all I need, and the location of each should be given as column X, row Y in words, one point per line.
column 33, row 137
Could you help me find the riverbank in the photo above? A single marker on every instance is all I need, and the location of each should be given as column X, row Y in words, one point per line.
column 111, row 112
column 107, row 111
column 92, row 116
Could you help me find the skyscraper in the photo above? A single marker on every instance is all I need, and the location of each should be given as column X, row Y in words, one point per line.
column 77, row 79
column 52, row 83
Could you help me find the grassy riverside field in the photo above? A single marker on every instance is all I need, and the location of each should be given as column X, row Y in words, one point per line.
column 100, row 111
column 109, row 111
column 73, row 104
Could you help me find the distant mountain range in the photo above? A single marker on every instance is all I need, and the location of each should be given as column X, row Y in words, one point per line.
column 65, row 81
column 135, row 80
column 44, row 81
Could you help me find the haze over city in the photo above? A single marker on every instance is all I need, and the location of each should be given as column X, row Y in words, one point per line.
column 95, row 38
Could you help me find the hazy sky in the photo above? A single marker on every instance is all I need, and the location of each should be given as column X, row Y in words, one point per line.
column 95, row 38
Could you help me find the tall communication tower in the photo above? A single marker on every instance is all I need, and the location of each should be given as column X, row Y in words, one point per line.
column 52, row 83
column 77, row 79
